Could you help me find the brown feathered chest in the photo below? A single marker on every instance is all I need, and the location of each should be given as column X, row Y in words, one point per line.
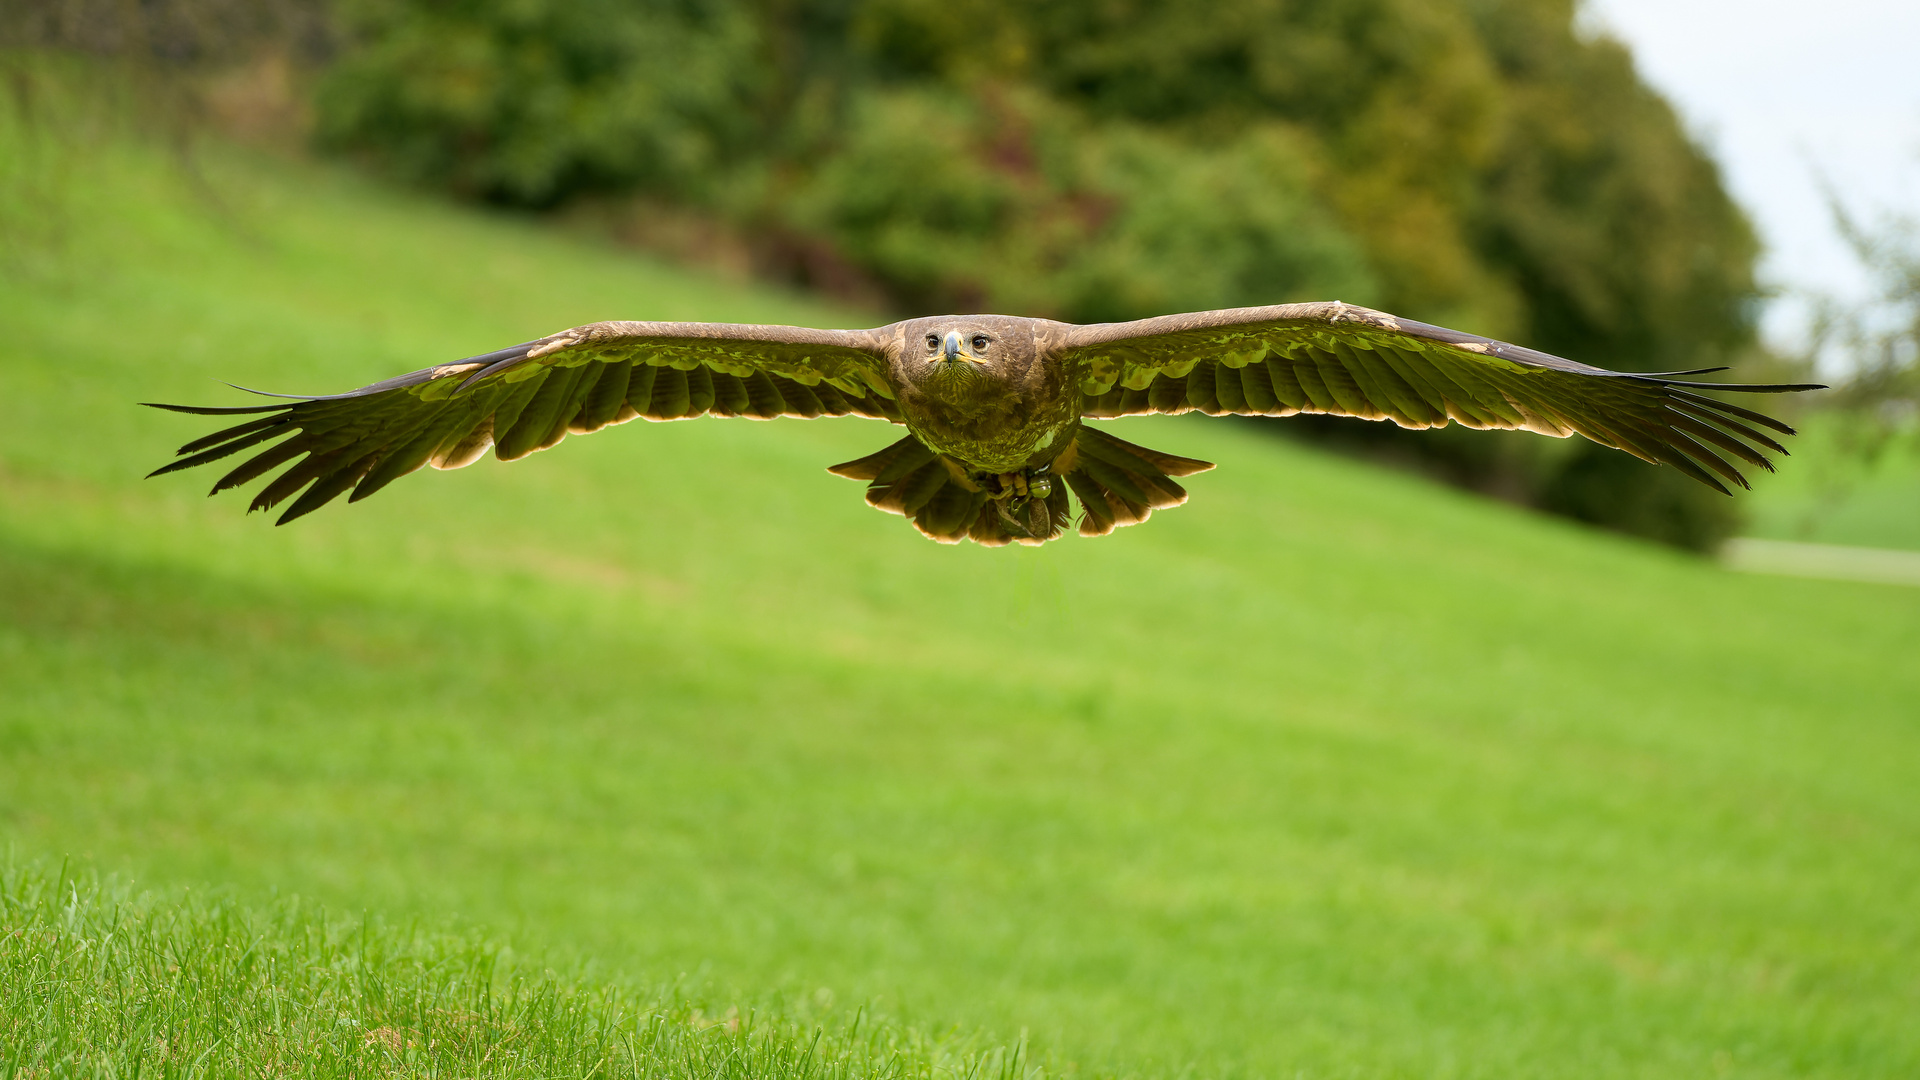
column 994, row 422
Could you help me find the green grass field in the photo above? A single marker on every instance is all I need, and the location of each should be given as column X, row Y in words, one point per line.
column 100, row 979
column 1834, row 498
column 1330, row 773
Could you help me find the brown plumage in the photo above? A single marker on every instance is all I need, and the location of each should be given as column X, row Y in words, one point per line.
column 994, row 405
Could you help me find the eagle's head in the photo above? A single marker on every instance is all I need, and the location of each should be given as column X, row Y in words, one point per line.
column 955, row 357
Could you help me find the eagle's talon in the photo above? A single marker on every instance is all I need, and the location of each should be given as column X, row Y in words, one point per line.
column 1010, row 510
column 1020, row 486
column 1039, row 518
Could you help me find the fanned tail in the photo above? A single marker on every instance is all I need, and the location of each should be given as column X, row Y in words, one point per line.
column 1117, row 482
column 935, row 493
column 1121, row 483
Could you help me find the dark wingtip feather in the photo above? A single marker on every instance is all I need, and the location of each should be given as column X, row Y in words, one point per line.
column 324, row 490
column 267, row 459
column 1745, row 388
column 235, row 432
column 494, row 361
column 207, row 410
column 226, row 449
column 1688, row 466
column 1734, row 410
column 1683, row 406
column 269, row 393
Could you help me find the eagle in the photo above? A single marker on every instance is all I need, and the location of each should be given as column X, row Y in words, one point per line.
column 995, row 407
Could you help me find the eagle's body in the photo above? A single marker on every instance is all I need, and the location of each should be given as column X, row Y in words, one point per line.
column 1004, row 409
column 994, row 405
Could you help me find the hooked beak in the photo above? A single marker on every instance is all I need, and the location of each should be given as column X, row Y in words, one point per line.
column 954, row 349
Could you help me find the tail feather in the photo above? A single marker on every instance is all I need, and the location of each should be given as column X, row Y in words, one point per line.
column 909, row 451
column 1122, row 483
column 1117, row 451
column 1117, row 483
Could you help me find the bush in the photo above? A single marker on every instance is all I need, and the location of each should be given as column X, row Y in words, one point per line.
column 1017, row 205
column 531, row 101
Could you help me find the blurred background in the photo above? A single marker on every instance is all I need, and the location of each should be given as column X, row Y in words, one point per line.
column 1396, row 753
column 1498, row 167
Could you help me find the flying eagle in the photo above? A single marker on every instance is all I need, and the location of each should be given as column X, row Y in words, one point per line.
column 995, row 406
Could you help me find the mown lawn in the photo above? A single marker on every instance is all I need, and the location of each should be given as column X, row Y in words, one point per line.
column 99, row 978
column 1329, row 773
column 1838, row 497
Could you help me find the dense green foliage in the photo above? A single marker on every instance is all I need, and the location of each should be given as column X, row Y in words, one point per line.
column 952, row 194
column 1478, row 164
column 1331, row 773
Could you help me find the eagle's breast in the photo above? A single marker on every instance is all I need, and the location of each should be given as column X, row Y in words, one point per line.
column 992, row 425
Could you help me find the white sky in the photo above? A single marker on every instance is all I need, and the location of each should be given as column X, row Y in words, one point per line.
column 1777, row 90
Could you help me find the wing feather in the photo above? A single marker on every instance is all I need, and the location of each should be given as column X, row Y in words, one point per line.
column 765, row 399
column 1230, row 388
column 1719, row 438
column 225, row 449
column 604, row 403
column 544, row 411
column 1256, row 387
column 1307, row 374
column 1381, row 382
column 729, row 395
column 233, row 432
column 1286, row 385
column 1203, row 388
column 532, row 396
column 452, row 423
column 671, row 397
column 640, row 389
column 699, row 390
column 1350, row 361
column 1688, row 408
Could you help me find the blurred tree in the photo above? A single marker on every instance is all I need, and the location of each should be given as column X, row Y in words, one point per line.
column 532, row 101
column 176, row 33
column 73, row 70
column 1876, row 342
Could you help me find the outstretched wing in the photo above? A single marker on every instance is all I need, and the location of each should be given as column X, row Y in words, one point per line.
column 1351, row 361
column 532, row 396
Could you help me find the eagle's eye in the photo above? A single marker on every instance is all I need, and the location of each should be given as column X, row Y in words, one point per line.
column 979, row 342
column 933, row 341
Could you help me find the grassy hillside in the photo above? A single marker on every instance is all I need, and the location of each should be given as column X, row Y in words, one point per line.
column 1329, row 773
column 100, row 979
column 1833, row 498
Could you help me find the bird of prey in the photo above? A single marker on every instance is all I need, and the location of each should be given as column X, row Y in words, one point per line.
column 995, row 407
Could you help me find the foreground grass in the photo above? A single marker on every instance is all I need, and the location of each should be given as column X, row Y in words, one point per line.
column 97, row 979
column 1330, row 773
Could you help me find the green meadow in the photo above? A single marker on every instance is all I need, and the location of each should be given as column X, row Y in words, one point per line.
column 1838, row 498
column 1329, row 773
